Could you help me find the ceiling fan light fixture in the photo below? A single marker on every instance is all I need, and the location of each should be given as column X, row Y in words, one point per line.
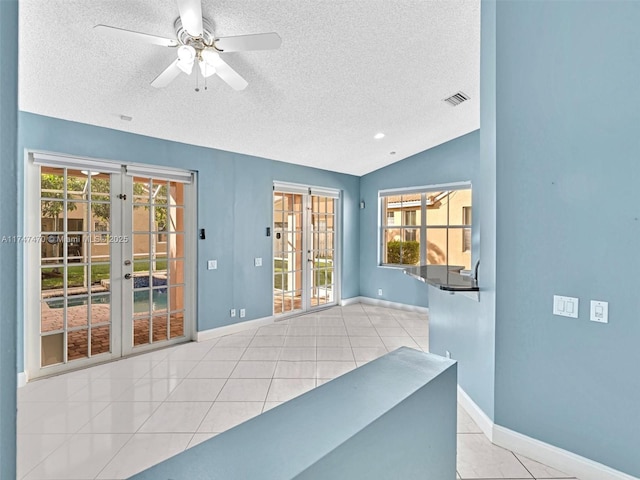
column 206, row 69
column 186, row 53
column 210, row 56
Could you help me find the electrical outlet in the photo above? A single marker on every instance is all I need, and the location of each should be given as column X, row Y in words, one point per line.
column 233, row 312
column 242, row 313
column 379, row 292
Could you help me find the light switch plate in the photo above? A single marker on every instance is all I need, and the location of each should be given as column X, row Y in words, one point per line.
column 599, row 311
column 212, row 264
column 565, row 306
column 258, row 261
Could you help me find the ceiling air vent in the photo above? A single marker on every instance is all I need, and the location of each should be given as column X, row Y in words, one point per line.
column 456, row 99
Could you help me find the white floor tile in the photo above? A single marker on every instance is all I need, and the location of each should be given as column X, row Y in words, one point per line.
column 362, row 332
column 267, row 341
column 368, row 353
column 333, row 341
column 130, row 368
column 142, row 451
column 302, row 341
column 213, row 369
column 396, row 342
column 150, row 390
column 333, row 369
column 241, row 389
column 540, row 471
column 226, row 415
column 283, row 389
column 82, row 457
column 331, row 331
column 224, row 353
column 198, row 438
column 233, row 341
column 176, row 417
column 261, row 353
column 56, row 389
column 103, row 390
column 366, row 342
column 465, row 423
column 357, row 322
column 335, row 353
column 254, row 369
column 286, row 369
column 34, row 448
column 172, row 369
column 392, row 332
column 272, row 330
column 270, row 405
column 298, row 353
column 65, row 417
column 479, row 458
column 121, row 417
column 197, row 390
column 296, row 330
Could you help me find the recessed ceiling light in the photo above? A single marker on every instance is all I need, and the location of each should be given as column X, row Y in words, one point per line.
column 378, row 135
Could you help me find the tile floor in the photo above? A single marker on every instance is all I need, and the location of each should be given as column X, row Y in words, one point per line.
column 112, row 421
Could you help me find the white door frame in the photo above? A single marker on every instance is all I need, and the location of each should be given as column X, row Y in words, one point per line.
column 31, row 270
column 307, row 191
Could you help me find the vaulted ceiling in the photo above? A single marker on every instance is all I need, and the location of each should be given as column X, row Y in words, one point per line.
column 345, row 71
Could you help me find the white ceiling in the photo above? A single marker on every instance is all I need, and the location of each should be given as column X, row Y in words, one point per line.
column 345, row 71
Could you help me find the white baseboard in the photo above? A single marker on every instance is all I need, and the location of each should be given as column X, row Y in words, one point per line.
column 22, row 379
column 383, row 303
column 476, row 413
column 234, row 328
column 555, row 457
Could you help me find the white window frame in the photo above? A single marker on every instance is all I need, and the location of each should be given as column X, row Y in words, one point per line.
column 423, row 191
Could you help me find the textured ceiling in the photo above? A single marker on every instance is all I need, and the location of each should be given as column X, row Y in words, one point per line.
column 345, row 71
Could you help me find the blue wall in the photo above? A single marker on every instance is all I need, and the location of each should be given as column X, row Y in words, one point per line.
column 234, row 205
column 8, row 227
column 454, row 161
column 568, row 216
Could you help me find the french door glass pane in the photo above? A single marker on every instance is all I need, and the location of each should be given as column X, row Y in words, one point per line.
column 72, row 203
column 158, row 260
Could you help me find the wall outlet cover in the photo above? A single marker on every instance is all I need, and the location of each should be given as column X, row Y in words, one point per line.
column 233, row 312
column 599, row 311
column 212, row 264
column 565, row 306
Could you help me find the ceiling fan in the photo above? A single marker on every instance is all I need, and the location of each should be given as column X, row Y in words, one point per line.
column 196, row 42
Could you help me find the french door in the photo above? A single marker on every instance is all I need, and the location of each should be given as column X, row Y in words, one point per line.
column 304, row 248
column 109, row 254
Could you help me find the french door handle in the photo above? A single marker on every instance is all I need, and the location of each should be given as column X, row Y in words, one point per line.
column 127, row 276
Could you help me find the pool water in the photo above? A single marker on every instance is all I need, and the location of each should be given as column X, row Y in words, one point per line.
column 140, row 300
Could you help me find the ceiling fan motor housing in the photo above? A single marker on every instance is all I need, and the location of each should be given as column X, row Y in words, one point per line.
column 199, row 43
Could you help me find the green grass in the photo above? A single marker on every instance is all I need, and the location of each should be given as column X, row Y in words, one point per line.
column 52, row 279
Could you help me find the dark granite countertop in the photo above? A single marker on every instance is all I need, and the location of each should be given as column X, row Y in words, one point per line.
column 444, row 277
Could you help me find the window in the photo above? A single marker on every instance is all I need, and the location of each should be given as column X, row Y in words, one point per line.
column 426, row 226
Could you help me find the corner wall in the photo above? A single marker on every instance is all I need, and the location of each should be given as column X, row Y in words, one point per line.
column 454, row 161
column 568, row 176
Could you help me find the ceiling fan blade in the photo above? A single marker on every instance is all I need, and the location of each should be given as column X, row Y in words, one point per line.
column 168, row 75
column 241, row 43
column 191, row 16
column 226, row 73
column 121, row 34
